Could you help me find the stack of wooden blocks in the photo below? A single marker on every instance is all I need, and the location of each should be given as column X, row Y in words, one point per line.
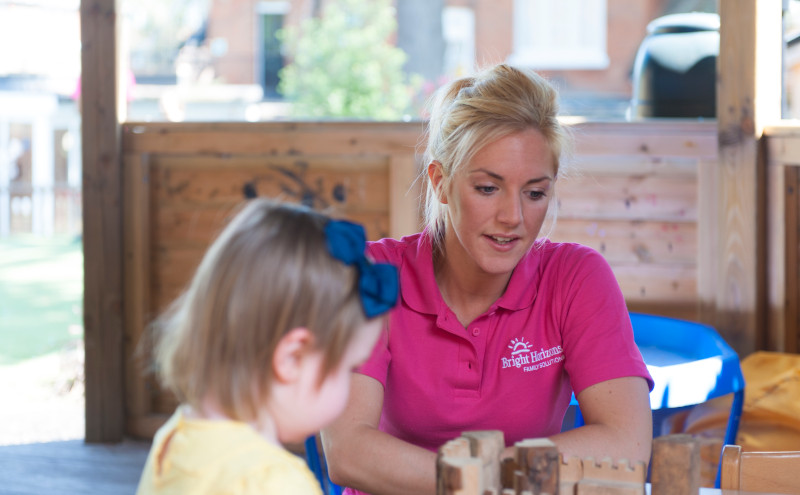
column 472, row 465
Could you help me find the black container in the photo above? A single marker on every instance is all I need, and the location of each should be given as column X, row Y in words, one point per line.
column 675, row 72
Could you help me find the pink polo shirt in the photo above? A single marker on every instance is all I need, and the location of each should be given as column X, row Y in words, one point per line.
column 561, row 324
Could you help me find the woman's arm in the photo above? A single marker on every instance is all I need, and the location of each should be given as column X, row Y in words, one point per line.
column 618, row 422
column 362, row 457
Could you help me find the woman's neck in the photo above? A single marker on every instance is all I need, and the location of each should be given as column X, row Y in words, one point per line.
column 468, row 293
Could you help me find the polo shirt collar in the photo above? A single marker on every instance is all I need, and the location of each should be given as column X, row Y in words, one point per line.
column 522, row 287
column 420, row 291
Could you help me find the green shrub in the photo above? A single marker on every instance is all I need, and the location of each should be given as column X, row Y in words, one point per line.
column 343, row 65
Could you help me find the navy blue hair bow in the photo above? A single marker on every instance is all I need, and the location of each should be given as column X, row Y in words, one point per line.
column 377, row 282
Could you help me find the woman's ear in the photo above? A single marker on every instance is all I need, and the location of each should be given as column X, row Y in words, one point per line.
column 436, row 177
column 289, row 353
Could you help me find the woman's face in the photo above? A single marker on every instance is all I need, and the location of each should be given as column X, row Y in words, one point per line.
column 497, row 203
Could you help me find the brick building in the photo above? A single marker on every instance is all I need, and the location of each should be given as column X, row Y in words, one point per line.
column 586, row 46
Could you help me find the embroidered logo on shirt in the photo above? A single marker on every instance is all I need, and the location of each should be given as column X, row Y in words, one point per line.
column 523, row 356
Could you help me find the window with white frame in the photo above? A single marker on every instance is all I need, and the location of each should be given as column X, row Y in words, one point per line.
column 563, row 34
column 270, row 60
column 458, row 29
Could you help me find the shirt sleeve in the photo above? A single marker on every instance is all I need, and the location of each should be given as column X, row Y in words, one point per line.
column 596, row 327
column 377, row 366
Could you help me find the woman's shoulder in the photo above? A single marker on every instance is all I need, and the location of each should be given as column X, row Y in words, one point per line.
column 568, row 251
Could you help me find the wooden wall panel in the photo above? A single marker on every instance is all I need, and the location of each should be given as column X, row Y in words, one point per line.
column 792, row 243
column 185, row 181
column 631, row 193
column 783, row 238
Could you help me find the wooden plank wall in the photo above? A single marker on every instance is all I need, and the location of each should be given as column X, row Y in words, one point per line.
column 183, row 181
column 783, row 270
column 631, row 193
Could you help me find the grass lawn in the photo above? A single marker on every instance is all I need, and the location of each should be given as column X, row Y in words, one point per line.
column 41, row 296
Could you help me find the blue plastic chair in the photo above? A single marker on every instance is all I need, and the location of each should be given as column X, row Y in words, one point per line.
column 318, row 466
column 690, row 363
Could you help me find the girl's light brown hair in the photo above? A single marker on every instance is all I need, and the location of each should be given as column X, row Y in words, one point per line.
column 268, row 272
column 469, row 113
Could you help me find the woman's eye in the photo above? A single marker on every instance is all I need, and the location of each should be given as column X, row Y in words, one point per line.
column 485, row 189
column 536, row 194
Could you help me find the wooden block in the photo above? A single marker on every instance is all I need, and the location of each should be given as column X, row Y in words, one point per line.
column 621, row 471
column 488, row 446
column 459, row 476
column 603, row 487
column 710, row 451
column 508, row 468
column 457, row 447
column 538, row 462
column 609, row 478
column 570, row 472
column 676, row 465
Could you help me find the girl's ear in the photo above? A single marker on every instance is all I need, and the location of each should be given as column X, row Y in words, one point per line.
column 289, row 353
column 436, row 177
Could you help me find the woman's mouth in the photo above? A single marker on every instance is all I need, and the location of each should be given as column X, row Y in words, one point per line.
column 502, row 240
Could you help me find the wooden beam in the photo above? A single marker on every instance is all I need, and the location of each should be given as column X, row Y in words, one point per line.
column 791, row 319
column 404, row 196
column 748, row 98
column 102, row 223
column 136, row 286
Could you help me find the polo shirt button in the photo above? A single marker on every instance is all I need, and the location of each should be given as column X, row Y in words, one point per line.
column 476, row 331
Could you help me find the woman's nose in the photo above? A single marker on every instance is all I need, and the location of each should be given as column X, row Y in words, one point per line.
column 510, row 212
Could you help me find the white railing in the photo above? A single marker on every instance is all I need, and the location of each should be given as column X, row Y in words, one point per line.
column 39, row 204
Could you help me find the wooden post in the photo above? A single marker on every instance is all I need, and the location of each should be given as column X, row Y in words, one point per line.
column 136, row 291
column 748, row 97
column 783, row 172
column 102, row 223
column 792, row 253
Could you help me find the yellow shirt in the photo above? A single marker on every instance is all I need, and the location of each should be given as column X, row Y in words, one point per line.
column 194, row 456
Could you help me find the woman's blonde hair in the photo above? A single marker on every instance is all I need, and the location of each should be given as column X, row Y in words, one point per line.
column 469, row 113
column 268, row 272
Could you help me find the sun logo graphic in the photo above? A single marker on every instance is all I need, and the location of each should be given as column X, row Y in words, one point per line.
column 518, row 346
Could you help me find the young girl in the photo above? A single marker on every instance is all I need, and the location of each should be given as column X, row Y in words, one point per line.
column 260, row 348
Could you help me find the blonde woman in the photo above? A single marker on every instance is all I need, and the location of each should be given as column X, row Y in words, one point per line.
column 260, row 349
column 496, row 326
